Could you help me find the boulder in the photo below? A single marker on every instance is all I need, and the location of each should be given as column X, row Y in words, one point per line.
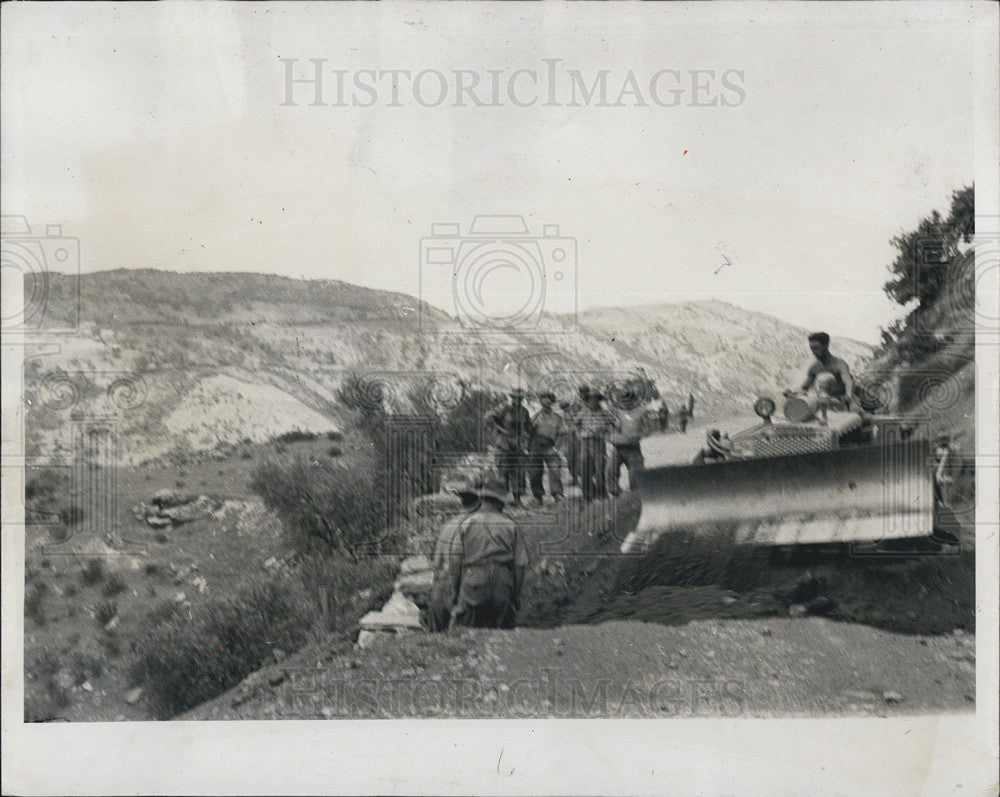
column 415, row 578
column 399, row 614
column 190, row 511
column 414, row 564
column 166, row 498
column 416, row 586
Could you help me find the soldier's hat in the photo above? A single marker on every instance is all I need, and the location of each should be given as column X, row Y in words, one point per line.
column 596, row 395
column 517, row 393
column 584, row 391
column 547, row 394
column 464, row 486
column 493, row 488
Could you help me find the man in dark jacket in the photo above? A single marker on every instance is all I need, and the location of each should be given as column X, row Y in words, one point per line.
column 513, row 428
column 487, row 564
column 595, row 424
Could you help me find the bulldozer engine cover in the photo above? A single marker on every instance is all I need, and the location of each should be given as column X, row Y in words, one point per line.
column 862, row 494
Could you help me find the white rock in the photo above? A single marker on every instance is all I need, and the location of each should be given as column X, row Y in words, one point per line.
column 132, row 695
column 415, row 564
column 398, row 614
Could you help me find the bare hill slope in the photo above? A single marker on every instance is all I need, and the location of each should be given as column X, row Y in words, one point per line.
column 192, row 360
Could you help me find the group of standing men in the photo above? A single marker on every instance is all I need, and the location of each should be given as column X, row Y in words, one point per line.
column 529, row 447
column 686, row 414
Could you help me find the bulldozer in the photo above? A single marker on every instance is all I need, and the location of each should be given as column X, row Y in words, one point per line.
column 820, row 475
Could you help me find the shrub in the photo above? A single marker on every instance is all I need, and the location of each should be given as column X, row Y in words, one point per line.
column 115, row 585
column 34, row 596
column 327, row 509
column 106, row 611
column 335, row 436
column 84, row 666
column 111, row 645
column 71, row 514
column 335, row 451
column 295, row 436
column 93, row 571
column 337, row 580
column 183, row 663
column 45, row 670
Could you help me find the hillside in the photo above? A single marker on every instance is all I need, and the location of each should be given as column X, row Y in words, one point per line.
column 193, row 360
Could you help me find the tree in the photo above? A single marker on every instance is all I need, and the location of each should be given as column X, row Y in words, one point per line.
column 925, row 254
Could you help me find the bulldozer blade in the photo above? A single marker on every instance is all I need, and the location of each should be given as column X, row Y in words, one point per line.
column 851, row 495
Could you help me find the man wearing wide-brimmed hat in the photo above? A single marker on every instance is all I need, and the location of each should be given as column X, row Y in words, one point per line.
column 513, row 428
column 487, row 564
column 548, row 429
column 595, row 423
column 437, row 616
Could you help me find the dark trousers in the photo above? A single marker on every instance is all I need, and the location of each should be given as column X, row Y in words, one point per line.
column 539, row 462
column 436, row 616
column 512, row 467
column 631, row 457
column 594, row 464
column 486, row 597
column 574, row 458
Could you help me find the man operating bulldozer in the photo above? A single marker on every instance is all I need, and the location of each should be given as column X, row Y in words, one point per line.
column 830, row 375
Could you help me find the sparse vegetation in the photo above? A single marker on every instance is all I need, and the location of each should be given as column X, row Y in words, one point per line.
column 84, row 666
column 106, row 611
column 93, row 572
column 183, row 663
column 50, row 700
column 34, row 597
column 71, row 515
column 295, row 436
column 115, row 585
column 331, row 509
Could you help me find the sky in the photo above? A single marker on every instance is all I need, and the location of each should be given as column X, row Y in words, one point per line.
column 168, row 137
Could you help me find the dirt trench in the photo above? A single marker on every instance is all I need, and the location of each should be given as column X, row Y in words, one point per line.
column 584, row 579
